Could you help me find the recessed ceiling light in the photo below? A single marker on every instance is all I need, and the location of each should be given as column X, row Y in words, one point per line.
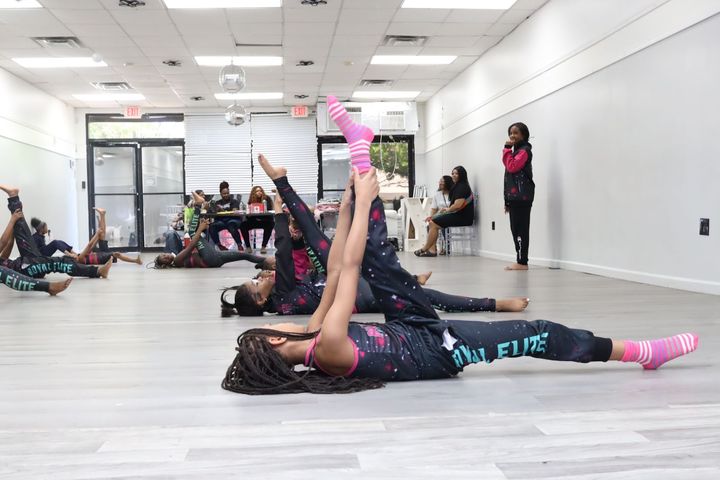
column 109, row 97
column 20, row 4
column 250, row 61
column 382, row 95
column 412, row 59
column 249, row 96
column 59, row 62
column 460, row 4
column 223, row 3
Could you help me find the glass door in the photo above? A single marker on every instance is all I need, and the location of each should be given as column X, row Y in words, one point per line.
column 141, row 185
column 163, row 186
column 113, row 187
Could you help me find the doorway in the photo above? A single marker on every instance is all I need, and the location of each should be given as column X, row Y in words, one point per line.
column 141, row 184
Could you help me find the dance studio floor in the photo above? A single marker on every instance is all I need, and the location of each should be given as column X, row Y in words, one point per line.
column 120, row 378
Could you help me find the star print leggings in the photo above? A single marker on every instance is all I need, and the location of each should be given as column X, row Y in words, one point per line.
column 17, row 281
column 319, row 249
column 401, row 299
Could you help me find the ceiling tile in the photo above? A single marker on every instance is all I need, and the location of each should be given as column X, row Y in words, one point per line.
column 463, row 28
column 502, row 28
column 433, row 15
column 293, row 15
column 108, row 31
column 73, row 4
column 515, row 16
column 83, row 16
column 366, row 15
column 314, row 28
column 362, row 28
column 459, row 41
column 364, row 4
column 254, row 15
column 529, row 4
column 382, row 50
column 414, row 28
column 474, row 16
column 196, row 19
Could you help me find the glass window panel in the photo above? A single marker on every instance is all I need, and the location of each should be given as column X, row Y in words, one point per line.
column 121, row 221
column 162, row 169
column 97, row 130
column 114, row 169
column 161, row 211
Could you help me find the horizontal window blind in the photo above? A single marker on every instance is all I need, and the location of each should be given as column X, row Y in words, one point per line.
column 288, row 142
column 216, row 151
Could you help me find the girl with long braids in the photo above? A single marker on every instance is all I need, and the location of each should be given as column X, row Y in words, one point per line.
column 286, row 294
column 414, row 344
column 199, row 253
column 12, row 279
column 31, row 261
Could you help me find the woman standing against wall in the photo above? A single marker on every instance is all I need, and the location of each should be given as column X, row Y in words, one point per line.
column 519, row 190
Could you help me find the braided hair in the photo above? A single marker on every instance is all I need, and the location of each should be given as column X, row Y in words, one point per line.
column 259, row 369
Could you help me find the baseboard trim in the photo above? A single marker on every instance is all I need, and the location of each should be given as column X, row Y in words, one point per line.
column 680, row 283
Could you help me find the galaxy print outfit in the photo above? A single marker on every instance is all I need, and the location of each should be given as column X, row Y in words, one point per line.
column 414, row 344
column 301, row 296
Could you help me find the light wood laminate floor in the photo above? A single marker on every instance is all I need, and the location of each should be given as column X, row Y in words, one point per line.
column 120, row 378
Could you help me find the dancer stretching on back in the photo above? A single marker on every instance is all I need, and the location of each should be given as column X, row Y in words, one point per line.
column 413, row 344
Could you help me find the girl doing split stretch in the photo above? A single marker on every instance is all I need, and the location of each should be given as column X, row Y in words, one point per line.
column 413, row 344
column 286, row 294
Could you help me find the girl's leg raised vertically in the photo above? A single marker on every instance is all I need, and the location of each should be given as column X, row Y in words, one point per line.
column 318, row 242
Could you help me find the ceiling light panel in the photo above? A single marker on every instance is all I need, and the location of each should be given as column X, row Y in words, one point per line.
column 249, row 96
column 197, row 4
column 412, row 59
column 396, row 95
column 460, row 4
column 58, row 62
column 248, row 61
column 18, row 4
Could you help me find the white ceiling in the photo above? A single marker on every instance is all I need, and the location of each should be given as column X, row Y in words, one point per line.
column 339, row 37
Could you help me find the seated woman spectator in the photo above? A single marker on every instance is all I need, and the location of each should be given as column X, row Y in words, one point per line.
column 441, row 199
column 257, row 195
column 460, row 213
column 48, row 249
column 225, row 204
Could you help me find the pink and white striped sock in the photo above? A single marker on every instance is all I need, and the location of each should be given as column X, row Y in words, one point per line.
column 359, row 136
column 653, row 353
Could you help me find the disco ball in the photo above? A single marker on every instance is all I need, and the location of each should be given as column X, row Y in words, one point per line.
column 232, row 78
column 235, row 114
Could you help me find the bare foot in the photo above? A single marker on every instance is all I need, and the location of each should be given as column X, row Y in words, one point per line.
column 105, row 269
column 11, row 191
column 272, row 172
column 101, row 211
column 517, row 304
column 138, row 260
column 57, row 287
column 422, row 278
column 516, row 266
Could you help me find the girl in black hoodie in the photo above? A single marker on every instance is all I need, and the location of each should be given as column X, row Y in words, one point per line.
column 519, row 190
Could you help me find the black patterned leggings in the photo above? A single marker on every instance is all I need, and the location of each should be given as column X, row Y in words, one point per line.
column 17, row 281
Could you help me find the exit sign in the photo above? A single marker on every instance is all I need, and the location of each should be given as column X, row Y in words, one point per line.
column 299, row 111
column 133, row 111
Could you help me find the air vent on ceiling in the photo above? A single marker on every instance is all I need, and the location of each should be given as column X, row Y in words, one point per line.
column 404, row 41
column 58, row 42
column 111, row 86
column 376, row 83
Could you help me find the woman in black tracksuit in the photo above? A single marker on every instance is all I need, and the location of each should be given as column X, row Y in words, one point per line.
column 519, row 190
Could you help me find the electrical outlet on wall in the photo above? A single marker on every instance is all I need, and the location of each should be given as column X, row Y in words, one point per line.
column 493, row 225
column 705, row 226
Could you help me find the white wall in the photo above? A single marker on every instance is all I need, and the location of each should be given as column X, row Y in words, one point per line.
column 622, row 126
column 37, row 154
